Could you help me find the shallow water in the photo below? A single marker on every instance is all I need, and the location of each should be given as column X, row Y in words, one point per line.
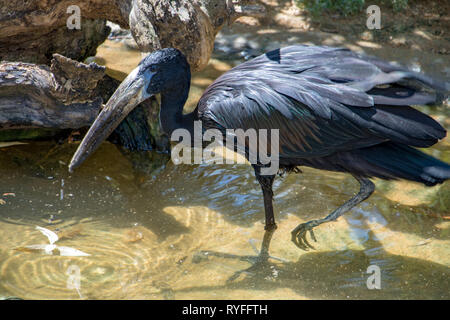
column 144, row 232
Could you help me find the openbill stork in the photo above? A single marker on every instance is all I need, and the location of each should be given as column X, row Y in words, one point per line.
column 335, row 110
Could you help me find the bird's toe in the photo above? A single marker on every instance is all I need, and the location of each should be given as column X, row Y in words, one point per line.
column 299, row 235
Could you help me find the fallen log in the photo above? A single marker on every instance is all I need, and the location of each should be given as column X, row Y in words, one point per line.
column 59, row 97
column 39, row 99
column 42, row 101
column 31, row 31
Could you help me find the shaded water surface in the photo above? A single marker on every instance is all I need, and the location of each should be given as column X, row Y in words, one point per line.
column 143, row 232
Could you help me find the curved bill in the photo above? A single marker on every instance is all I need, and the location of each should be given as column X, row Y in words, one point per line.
column 128, row 95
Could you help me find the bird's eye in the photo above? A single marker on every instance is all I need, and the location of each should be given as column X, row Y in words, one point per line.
column 153, row 68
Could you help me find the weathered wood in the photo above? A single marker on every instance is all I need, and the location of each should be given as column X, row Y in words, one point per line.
column 60, row 97
column 188, row 25
column 31, row 31
column 67, row 95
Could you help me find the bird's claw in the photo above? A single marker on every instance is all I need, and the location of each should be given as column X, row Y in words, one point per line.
column 299, row 235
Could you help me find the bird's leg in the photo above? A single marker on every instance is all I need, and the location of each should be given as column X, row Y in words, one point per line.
column 266, row 183
column 299, row 233
column 264, row 253
column 259, row 262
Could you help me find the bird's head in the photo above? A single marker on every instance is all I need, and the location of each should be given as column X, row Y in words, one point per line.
column 161, row 71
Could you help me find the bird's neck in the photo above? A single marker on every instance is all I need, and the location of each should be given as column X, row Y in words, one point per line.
column 171, row 113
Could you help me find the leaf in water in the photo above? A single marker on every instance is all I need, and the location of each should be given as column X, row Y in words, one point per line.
column 24, row 249
column 52, row 237
column 71, row 252
column 37, row 246
column 47, row 248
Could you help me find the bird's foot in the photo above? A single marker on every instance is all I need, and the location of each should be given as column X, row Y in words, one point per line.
column 299, row 234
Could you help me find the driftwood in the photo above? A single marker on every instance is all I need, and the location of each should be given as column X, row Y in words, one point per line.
column 61, row 96
column 188, row 25
column 48, row 91
column 68, row 95
column 31, row 31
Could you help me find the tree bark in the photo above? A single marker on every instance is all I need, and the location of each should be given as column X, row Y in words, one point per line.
column 188, row 25
column 31, row 31
column 69, row 94
column 61, row 96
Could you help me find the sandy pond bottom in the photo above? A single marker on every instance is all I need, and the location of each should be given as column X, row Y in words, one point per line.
column 143, row 233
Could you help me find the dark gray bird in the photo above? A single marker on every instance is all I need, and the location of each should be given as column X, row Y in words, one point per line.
column 335, row 110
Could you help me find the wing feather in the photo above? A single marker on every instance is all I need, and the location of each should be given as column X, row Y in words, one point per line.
column 324, row 100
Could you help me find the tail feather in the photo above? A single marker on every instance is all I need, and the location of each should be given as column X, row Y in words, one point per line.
column 392, row 161
column 402, row 124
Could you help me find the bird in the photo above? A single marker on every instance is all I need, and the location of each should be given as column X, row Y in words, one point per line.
column 334, row 109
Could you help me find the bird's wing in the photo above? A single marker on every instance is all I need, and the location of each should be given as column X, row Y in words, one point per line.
column 323, row 100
